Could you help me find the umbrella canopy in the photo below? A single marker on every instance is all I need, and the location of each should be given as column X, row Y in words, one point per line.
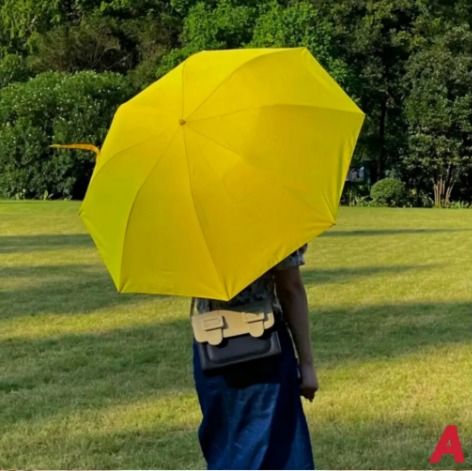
column 219, row 170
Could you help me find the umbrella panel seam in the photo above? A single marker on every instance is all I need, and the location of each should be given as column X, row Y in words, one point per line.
column 120, row 153
column 231, row 74
column 294, row 105
column 198, row 217
column 247, row 161
column 171, row 140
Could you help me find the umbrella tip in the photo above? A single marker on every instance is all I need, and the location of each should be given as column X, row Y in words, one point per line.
column 182, row 121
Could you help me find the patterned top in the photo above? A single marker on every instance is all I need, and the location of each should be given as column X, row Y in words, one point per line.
column 259, row 290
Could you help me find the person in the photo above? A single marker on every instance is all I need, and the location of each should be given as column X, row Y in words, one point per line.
column 252, row 412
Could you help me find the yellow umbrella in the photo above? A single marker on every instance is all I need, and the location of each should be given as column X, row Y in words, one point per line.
column 219, row 170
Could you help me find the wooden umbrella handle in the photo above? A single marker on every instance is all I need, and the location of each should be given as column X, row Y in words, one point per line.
column 89, row 147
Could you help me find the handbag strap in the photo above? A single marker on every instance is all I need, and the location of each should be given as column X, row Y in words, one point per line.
column 192, row 307
column 193, row 303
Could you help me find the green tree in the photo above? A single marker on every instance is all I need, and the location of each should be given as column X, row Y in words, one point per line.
column 19, row 19
column 222, row 25
column 439, row 112
column 91, row 44
column 374, row 37
column 300, row 24
column 114, row 35
column 226, row 24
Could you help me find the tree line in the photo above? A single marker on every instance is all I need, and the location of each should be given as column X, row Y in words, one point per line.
column 65, row 65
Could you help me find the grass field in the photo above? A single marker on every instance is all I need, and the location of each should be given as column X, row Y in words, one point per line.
column 93, row 379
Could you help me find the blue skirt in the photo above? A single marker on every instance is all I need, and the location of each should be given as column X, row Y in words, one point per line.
column 252, row 414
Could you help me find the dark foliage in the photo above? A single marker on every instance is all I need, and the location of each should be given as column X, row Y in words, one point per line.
column 54, row 108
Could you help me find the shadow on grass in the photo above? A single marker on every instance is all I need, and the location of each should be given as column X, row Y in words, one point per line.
column 382, row 232
column 31, row 243
column 61, row 289
column 384, row 331
column 64, row 374
column 64, row 289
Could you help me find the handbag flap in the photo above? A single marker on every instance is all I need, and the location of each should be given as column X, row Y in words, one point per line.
column 213, row 326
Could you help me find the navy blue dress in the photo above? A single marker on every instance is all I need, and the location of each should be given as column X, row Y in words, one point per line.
column 252, row 413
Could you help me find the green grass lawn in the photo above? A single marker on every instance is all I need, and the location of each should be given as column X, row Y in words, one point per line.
column 93, row 379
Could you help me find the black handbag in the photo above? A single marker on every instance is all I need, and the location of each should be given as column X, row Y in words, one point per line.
column 229, row 337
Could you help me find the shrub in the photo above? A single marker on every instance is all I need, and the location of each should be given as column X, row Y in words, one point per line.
column 13, row 68
column 360, row 201
column 419, row 198
column 54, row 107
column 355, row 194
column 388, row 192
column 459, row 205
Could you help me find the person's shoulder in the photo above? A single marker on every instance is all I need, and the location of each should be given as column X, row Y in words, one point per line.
column 295, row 259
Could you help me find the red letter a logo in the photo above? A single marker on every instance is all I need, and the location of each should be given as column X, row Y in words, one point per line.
column 449, row 444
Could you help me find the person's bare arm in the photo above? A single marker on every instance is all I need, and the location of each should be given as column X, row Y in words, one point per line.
column 292, row 296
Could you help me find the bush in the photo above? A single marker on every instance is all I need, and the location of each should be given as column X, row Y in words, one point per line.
column 355, row 194
column 388, row 192
column 54, row 108
column 13, row 68
column 459, row 205
column 418, row 198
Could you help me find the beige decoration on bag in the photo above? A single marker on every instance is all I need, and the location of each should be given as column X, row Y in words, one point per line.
column 214, row 326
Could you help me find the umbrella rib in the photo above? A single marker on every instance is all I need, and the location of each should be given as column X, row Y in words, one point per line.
column 136, row 198
column 333, row 82
column 182, row 90
column 257, row 170
column 259, row 107
column 198, row 216
column 113, row 158
column 278, row 51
